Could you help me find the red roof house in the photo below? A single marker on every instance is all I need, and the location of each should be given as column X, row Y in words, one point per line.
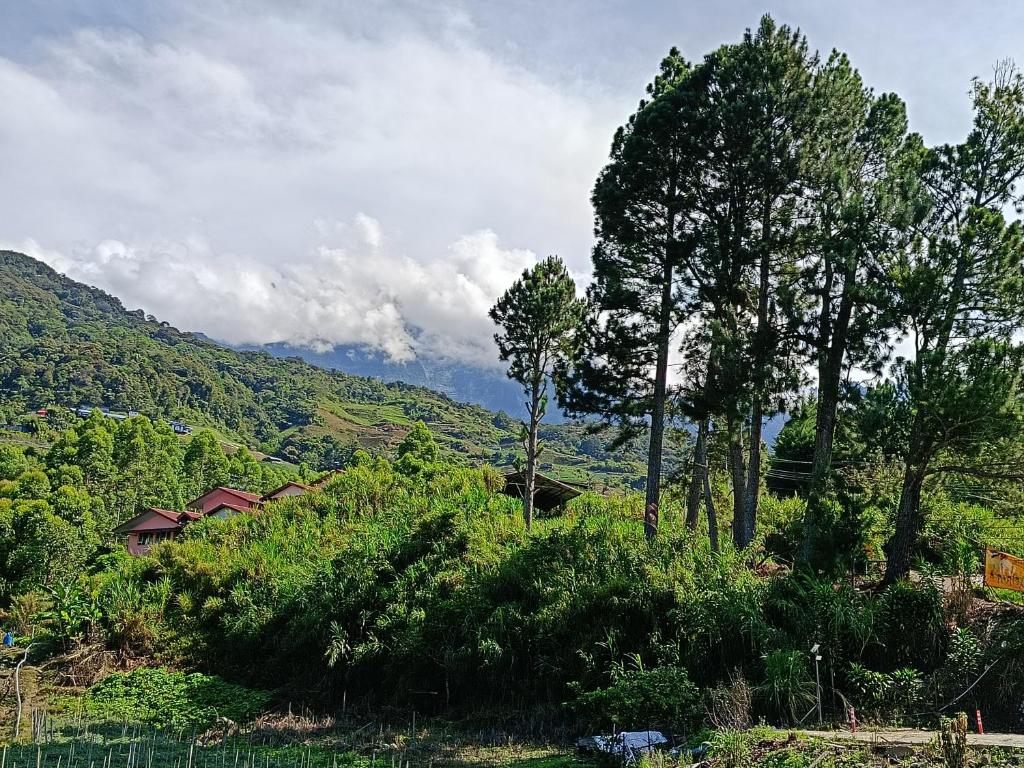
column 291, row 488
column 153, row 526
column 221, row 496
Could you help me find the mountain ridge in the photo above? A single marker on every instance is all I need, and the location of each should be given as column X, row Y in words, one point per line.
column 67, row 343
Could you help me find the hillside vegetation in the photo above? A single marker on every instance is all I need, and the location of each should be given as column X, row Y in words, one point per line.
column 414, row 584
column 64, row 343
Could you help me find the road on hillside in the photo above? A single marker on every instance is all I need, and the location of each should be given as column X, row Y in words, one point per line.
column 911, row 736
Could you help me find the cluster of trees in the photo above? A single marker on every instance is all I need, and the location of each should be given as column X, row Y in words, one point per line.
column 413, row 583
column 58, row 506
column 64, row 343
column 767, row 221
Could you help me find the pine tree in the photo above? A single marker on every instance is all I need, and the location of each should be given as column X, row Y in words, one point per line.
column 636, row 300
column 862, row 203
column 962, row 299
column 755, row 123
column 539, row 317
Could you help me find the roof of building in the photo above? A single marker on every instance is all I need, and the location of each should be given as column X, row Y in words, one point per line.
column 548, row 492
column 244, row 495
column 173, row 519
column 329, row 475
column 227, row 505
column 289, row 484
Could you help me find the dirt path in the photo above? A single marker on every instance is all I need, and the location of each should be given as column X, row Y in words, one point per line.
column 911, row 736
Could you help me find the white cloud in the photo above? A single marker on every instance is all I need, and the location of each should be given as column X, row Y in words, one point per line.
column 216, row 171
column 346, row 291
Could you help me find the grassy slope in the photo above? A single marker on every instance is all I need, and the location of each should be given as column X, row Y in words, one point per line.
column 64, row 343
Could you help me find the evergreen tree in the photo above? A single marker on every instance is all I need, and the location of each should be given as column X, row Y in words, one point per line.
column 962, row 299
column 754, row 128
column 539, row 316
column 636, row 300
column 862, row 202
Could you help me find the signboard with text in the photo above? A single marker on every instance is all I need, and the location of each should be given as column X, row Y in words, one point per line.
column 1004, row 571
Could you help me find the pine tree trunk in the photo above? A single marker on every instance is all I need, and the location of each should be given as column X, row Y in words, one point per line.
column 908, row 516
column 752, row 495
column 531, row 477
column 654, row 451
column 753, row 489
column 531, row 455
column 709, row 503
column 830, row 369
column 697, row 473
column 908, row 525
column 738, row 472
column 821, row 466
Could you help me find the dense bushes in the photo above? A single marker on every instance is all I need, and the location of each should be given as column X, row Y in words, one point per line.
column 639, row 699
column 422, row 588
column 172, row 699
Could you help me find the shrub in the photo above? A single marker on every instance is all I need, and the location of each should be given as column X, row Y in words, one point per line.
column 912, row 626
column 893, row 695
column 732, row 749
column 171, row 699
column 662, row 698
column 729, row 705
column 788, row 688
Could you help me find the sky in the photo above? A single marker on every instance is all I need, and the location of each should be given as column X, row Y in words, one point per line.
column 370, row 173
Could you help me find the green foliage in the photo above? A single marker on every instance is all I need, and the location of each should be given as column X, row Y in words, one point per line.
column 894, row 695
column 912, row 626
column 732, row 748
column 788, row 687
column 418, row 450
column 71, row 613
column 63, row 344
column 58, row 507
column 171, row 699
column 662, row 698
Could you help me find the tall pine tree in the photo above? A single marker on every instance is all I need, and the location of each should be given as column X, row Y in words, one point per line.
column 641, row 207
column 962, row 299
column 538, row 316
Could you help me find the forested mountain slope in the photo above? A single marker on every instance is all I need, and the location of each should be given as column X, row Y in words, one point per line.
column 64, row 343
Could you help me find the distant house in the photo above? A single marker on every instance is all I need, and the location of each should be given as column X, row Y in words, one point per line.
column 222, row 500
column 153, row 526
column 291, row 488
column 548, row 492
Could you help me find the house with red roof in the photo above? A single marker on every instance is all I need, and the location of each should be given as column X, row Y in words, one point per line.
column 152, row 526
column 155, row 525
column 225, row 501
column 291, row 488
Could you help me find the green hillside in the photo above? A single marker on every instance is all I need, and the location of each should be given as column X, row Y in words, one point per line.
column 64, row 343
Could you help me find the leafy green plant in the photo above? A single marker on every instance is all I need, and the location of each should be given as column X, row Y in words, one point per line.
column 732, row 749
column 71, row 612
column 788, row 688
column 892, row 696
column 172, row 699
column 659, row 698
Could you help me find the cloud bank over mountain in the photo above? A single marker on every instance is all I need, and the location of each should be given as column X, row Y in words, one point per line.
column 278, row 176
column 373, row 174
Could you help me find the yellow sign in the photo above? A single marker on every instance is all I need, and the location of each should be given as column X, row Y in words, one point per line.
column 1004, row 571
